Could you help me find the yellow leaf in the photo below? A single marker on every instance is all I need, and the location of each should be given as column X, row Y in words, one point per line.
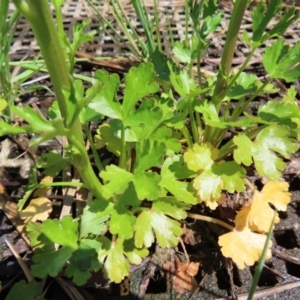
column 243, row 247
column 261, row 214
column 241, row 219
column 277, row 194
column 38, row 209
column 41, row 192
column 211, row 203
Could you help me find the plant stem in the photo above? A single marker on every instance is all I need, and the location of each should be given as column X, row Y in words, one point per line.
column 40, row 18
column 228, row 51
column 210, row 219
column 84, row 168
column 187, row 136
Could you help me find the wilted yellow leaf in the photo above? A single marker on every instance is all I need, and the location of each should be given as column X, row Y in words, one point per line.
column 277, row 194
column 244, row 247
column 38, row 209
column 41, row 192
column 261, row 214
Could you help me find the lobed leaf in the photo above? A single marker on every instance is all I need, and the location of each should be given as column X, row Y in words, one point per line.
column 281, row 61
column 118, row 180
column 261, row 214
column 152, row 221
column 271, row 139
column 139, row 82
column 244, row 247
column 122, row 222
column 183, row 191
column 63, row 232
column 50, row 262
column 105, row 101
column 29, row 291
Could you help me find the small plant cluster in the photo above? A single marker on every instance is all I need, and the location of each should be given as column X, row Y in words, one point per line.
column 166, row 135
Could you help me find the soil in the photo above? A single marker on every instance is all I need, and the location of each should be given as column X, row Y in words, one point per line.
column 217, row 278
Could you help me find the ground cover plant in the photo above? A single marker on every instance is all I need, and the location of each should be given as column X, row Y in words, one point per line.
column 166, row 135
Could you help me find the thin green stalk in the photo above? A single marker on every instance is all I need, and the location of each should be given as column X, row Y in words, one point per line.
column 193, row 121
column 238, row 112
column 61, row 183
column 185, row 132
column 122, row 160
column 94, row 150
column 59, row 18
column 8, row 26
column 186, row 25
column 228, row 51
column 157, row 27
column 118, row 18
column 140, row 11
column 261, row 261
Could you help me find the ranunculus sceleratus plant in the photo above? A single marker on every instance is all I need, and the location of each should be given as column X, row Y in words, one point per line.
column 167, row 135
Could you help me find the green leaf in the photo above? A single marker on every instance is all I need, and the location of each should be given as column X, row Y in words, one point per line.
column 159, row 61
column 121, row 222
column 37, row 123
column 146, row 185
column 52, row 162
column 148, row 154
column 200, row 157
column 290, row 95
column 107, row 137
column 232, row 175
column 182, row 82
column 33, row 230
column 63, row 232
column 182, row 52
column 208, row 185
column 270, row 140
column 91, row 222
column 79, row 277
column 280, row 112
column 134, row 254
column 88, row 114
column 183, row 191
column 29, row 291
column 262, row 16
column 118, row 180
column 243, row 154
column 6, row 129
column 210, row 24
column 94, row 217
column 129, row 197
column 154, row 220
column 50, row 262
column 116, row 266
column 105, row 101
column 281, row 61
column 245, row 85
column 151, row 114
column 83, row 261
column 139, row 82
column 286, row 19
